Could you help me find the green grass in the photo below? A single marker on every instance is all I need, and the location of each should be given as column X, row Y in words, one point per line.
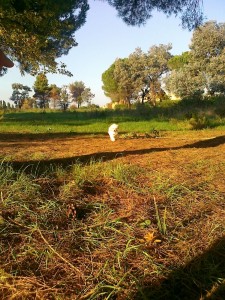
column 167, row 116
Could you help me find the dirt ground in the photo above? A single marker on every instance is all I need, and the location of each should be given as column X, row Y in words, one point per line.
column 162, row 152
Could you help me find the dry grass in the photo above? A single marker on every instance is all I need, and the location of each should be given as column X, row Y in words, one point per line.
column 135, row 219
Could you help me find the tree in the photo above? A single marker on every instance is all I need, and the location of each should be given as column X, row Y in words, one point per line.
column 8, row 105
column 216, row 71
column 28, row 103
column 139, row 75
column 64, row 98
column 123, row 76
column 179, row 61
column 76, row 89
column 137, row 12
column 79, row 93
column 20, row 93
column 87, row 96
column 35, row 33
column 148, row 69
column 204, row 70
column 138, row 64
column 54, row 95
column 41, row 89
column 208, row 55
column 184, row 82
column 110, row 86
column 4, row 105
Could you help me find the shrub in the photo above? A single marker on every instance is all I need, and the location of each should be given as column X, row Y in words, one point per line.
column 198, row 122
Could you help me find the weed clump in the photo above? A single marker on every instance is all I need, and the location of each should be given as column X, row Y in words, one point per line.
column 198, row 122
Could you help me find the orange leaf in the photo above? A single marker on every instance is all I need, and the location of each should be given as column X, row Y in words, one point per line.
column 149, row 237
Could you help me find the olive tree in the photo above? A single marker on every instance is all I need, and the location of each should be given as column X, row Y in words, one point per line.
column 138, row 75
column 204, row 69
column 148, row 69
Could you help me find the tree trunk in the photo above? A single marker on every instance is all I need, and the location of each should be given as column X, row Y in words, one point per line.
column 128, row 103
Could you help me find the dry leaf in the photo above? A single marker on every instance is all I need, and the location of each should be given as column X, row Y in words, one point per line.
column 157, row 241
column 149, row 237
column 141, row 240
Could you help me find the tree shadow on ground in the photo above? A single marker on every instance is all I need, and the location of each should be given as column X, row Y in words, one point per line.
column 202, row 278
column 9, row 137
column 212, row 142
column 105, row 156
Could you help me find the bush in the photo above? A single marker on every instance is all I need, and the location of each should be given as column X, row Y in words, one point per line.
column 198, row 122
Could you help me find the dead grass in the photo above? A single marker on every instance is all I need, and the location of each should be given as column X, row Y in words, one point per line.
column 109, row 243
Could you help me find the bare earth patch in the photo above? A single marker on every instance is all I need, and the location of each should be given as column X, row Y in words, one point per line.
column 162, row 151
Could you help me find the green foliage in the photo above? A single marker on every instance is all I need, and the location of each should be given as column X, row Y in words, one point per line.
column 54, row 95
column 123, row 77
column 179, row 61
column 110, row 86
column 138, row 12
column 41, row 84
column 64, row 98
column 208, row 55
column 137, row 76
column 79, row 93
column 198, row 122
column 36, row 33
column 20, row 94
column 41, row 89
column 87, row 96
column 200, row 72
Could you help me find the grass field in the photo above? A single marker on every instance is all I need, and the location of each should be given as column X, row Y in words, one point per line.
column 168, row 116
column 85, row 218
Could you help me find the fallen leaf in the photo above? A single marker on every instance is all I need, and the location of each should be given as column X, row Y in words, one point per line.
column 149, row 237
column 157, row 241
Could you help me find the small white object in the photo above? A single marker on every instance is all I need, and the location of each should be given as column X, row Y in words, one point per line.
column 113, row 132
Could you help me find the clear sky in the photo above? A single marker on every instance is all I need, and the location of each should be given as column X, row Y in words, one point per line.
column 105, row 37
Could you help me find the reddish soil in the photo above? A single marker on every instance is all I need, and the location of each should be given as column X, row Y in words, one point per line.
column 162, row 152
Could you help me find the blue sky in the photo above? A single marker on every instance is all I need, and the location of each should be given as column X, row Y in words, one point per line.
column 105, row 37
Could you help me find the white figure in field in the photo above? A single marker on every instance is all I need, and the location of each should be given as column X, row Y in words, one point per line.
column 113, row 132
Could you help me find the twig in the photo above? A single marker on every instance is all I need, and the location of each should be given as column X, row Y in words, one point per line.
column 59, row 255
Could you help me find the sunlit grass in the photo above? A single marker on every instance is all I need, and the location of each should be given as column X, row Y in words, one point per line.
column 90, row 127
column 167, row 116
column 130, row 227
